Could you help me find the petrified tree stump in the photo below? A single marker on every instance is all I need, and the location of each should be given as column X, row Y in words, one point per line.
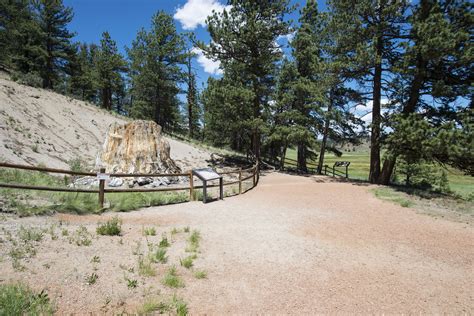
column 136, row 147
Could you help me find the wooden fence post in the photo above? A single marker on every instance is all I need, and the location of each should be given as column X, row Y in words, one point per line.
column 191, row 186
column 101, row 189
column 240, row 180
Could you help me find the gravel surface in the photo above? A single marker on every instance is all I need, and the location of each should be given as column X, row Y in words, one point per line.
column 293, row 245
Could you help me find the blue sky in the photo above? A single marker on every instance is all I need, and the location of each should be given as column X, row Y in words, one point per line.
column 123, row 18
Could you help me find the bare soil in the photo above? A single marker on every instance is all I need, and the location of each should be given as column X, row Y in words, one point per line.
column 292, row 245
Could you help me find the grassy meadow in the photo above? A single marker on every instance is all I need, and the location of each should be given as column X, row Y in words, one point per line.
column 459, row 183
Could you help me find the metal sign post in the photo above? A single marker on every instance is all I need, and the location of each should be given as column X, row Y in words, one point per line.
column 209, row 174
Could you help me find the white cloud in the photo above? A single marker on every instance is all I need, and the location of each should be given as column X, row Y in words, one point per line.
column 288, row 37
column 210, row 66
column 194, row 12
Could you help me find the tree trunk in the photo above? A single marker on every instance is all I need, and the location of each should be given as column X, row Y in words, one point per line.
column 325, row 135
column 376, row 118
column 302, row 158
column 282, row 156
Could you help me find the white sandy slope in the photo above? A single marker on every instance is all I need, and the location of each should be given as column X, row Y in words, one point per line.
column 38, row 126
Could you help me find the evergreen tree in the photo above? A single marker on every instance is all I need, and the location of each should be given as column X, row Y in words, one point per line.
column 155, row 60
column 368, row 35
column 435, row 71
column 110, row 66
column 192, row 97
column 53, row 18
column 307, row 54
column 244, row 37
column 19, row 37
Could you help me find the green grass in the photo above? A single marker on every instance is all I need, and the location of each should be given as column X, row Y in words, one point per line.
column 187, row 262
column 30, row 202
column 112, row 227
column 145, row 267
column 200, row 274
column 17, row 299
column 92, row 278
column 388, row 194
column 149, row 231
column 171, row 278
column 159, row 255
column 459, row 183
column 81, row 237
column 155, row 305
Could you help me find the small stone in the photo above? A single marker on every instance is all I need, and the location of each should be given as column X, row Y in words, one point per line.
column 115, row 182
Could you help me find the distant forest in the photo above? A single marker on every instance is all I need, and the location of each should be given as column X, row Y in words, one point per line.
column 415, row 55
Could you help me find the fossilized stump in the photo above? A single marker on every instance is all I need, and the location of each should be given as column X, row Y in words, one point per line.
column 136, row 147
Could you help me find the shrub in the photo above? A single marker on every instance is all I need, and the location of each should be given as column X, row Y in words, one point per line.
column 159, row 256
column 201, row 274
column 149, row 231
column 112, row 227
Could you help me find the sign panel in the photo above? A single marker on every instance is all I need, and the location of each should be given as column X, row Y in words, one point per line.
column 206, row 174
column 103, row 176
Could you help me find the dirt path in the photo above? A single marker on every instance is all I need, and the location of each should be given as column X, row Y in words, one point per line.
column 297, row 245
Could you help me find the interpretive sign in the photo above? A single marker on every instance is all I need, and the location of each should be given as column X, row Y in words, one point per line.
column 209, row 174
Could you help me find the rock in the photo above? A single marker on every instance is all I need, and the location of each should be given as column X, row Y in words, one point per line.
column 136, row 147
column 131, row 183
column 144, row 181
column 85, row 181
column 164, row 180
column 115, row 182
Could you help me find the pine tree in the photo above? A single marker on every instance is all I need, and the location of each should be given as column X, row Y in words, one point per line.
column 19, row 37
column 307, row 54
column 192, row 97
column 110, row 66
column 53, row 18
column 436, row 68
column 368, row 35
column 244, row 37
column 155, row 60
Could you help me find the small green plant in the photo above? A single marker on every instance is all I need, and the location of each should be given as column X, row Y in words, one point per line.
column 171, row 278
column 81, row 237
column 153, row 305
column 145, row 267
column 164, row 242
column 30, row 234
column 131, row 283
column 92, row 279
column 112, row 227
column 193, row 242
column 159, row 255
column 64, row 232
column 52, row 232
column 180, row 306
column 149, row 231
column 174, row 231
column 187, row 262
column 18, row 299
column 186, row 229
column 200, row 274
column 76, row 165
column 95, row 259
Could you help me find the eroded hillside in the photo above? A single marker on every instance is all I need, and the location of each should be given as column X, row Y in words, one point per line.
column 42, row 127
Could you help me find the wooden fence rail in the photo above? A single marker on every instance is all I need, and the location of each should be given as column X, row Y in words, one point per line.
column 254, row 170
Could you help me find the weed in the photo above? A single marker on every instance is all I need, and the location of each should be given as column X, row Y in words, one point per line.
column 164, row 242
column 180, row 306
column 171, row 278
column 64, row 232
column 186, row 229
column 153, row 305
column 193, row 242
column 17, row 299
column 200, row 274
column 159, row 256
column 52, row 232
column 95, row 259
column 174, row 231
column 149, row 231
column 131, row 283
column 187, row 262
column 112, row 227
column 30, row 234
column 145, row 267
column 81, row 237
column 138, row 248
column 91, row 279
